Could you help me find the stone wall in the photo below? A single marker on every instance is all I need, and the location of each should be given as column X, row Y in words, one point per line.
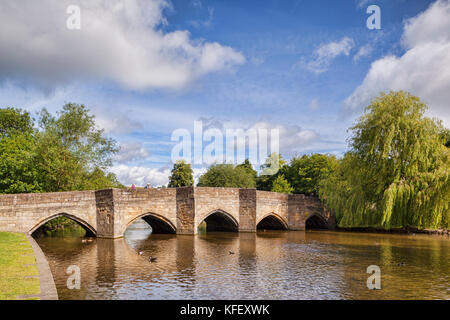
column 296, row 211
column 106, row 219
column 209, row 200
column 26, row 212
column 131, row 205
column 247, row 210
column 108, row 213
column 271, row 203
column 185, row 211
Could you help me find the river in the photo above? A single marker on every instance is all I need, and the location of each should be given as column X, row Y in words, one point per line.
column 263, row 265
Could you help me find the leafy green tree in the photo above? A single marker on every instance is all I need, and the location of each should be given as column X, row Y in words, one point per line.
column 70, row 149
column 228, row 176
column 98, row 179
column 281, row 185
column 67, row 152
column 17, row 148
column 248, row 166
column 76, row 130
column 14, row 121
column 60, row 169
column 18, row 173
column 445, row 134
column 305, row 173
column 274, row 166
column 396, row 174
column 182, row 175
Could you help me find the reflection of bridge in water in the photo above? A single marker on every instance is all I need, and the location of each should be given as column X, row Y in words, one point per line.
column 265, row 265
column 108, row 213
column 183, row 263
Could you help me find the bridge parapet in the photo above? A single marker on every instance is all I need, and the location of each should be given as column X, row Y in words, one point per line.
column 108, row 213
column 26, row 212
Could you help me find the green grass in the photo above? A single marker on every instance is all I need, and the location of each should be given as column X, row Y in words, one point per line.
column 15, row 252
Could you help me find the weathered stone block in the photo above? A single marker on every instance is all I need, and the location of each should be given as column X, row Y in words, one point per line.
column 109, row 212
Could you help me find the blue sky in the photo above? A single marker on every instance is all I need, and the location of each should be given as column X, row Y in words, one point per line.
column 146, row 68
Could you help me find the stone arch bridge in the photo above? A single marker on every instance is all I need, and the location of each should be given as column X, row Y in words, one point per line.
column 108, row 213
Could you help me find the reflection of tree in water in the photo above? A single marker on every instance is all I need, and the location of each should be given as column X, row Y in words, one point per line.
column 62, row 226
column 264, row 265
column 64, row 252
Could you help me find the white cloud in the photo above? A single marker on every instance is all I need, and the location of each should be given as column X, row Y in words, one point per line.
column 326, row 53
column 197, row 3
column 293, row 139
column 197, row 173
column 131, row 151
column 433, row 25
column 363, row 51
column 119, row 41
column 117, row 122
column 363, row 3
column 424, row 69
column 204, row 23
column 140, row 176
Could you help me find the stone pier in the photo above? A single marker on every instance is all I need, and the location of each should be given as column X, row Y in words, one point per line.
column 108, row 213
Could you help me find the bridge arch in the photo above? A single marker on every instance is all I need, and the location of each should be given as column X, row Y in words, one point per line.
column 90, row 230
column 220, row 220
column 315, row 221
column 158, row 223
column 272, row 221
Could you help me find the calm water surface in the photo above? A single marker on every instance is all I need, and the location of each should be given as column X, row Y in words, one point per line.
column 266, row 265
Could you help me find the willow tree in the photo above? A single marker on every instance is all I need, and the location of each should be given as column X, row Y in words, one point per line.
column 396, row 174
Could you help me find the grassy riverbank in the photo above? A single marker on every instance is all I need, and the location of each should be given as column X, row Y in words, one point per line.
column 17, row 262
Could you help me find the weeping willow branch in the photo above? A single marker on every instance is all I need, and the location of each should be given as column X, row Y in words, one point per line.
column 396, row 174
